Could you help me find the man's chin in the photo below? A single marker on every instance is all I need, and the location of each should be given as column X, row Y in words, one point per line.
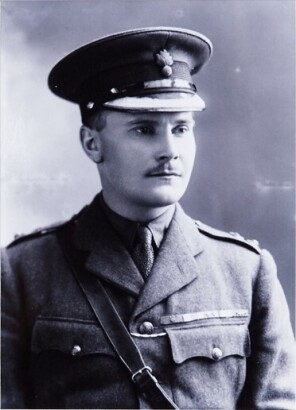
column 163, row 197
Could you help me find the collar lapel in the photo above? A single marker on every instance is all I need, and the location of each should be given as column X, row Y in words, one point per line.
column 106, row 255
column 175, row 265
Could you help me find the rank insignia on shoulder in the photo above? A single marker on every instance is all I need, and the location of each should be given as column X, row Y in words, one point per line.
column 234, row 237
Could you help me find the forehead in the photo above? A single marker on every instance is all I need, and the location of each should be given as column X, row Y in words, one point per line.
column 127, row 118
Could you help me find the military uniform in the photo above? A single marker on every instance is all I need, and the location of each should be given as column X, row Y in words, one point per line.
column 211, row 321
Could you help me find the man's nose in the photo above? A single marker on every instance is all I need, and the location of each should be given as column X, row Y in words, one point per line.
column 168, row 147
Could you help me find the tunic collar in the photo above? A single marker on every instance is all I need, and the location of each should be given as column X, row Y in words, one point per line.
column 127, row 229
column 105, row 255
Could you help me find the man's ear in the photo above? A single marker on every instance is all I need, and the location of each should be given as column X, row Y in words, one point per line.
column 91, row 143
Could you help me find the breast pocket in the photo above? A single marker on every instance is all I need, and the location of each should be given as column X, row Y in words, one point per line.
column 73, row 365
column 210, row 362
column 214, row 342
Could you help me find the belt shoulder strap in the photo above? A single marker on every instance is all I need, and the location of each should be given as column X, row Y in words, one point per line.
column 113, row 326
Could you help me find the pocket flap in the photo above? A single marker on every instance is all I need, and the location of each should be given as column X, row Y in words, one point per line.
column 76, row 338
column 213, row 342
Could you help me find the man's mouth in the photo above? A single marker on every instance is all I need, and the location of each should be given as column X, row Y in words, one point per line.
column 164, row 173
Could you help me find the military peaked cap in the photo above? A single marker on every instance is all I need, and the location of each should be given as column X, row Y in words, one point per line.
column 147, row 69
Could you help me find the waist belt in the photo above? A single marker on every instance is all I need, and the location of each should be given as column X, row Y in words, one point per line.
column 113, row 326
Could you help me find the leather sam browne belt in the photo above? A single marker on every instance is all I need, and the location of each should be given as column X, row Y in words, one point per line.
column 114, row 328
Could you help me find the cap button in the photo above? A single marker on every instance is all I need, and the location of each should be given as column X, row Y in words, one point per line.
column 146, row 328
column 76, row 350
column 217, row 353
column 90, row 105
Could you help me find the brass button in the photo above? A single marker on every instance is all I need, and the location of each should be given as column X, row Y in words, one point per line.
column 217, row 353
column 146, row 328
column 76, row 350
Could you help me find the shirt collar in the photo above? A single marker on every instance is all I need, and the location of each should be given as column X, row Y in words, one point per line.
column 127, row 229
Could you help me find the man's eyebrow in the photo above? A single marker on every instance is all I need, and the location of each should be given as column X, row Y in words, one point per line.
column 141, row 121
column 189, row 121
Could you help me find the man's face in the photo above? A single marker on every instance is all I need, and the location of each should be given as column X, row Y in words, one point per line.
column 147, row 158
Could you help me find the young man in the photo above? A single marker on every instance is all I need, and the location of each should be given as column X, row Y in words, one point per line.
column 204, row 308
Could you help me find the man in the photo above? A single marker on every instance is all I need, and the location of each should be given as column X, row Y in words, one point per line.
column 204, row 308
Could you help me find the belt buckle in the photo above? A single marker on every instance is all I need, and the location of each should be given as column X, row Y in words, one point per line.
column 140, row 372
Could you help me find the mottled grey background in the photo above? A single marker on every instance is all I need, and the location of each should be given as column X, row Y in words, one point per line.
column 244, row 175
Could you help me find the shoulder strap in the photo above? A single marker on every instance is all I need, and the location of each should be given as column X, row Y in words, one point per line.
column 233, row 237
column 19, row 238
column 114, row 328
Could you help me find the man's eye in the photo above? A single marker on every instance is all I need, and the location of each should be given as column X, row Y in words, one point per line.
column 145, row 130
column 181, row 129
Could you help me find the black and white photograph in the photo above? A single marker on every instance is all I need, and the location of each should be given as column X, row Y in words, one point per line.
column 148, row 204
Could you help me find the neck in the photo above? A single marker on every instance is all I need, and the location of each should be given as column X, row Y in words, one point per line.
column 135, row 213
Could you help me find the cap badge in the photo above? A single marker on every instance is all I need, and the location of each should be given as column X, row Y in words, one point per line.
column 164, row 60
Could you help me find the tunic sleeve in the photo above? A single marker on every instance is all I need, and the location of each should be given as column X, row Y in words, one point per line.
column 270, row 381
column 15, row 342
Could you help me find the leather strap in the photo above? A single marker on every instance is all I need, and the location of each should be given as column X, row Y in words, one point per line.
column 114, row 327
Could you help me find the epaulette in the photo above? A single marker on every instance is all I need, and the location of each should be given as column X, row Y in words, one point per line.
column 233, row 237
column 40, row 232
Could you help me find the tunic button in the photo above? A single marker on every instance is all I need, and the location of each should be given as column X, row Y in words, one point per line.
column 216, row 353
column 146, row 328
column 76, row 349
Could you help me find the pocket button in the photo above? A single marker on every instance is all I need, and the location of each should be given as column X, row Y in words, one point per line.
column 217, row 353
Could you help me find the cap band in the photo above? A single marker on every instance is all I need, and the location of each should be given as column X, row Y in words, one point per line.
column 168, row 83
column 156, row 85
column 182, row 102
column 149, row 87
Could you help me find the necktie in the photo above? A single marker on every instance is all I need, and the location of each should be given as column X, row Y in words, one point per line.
column 143, row 253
